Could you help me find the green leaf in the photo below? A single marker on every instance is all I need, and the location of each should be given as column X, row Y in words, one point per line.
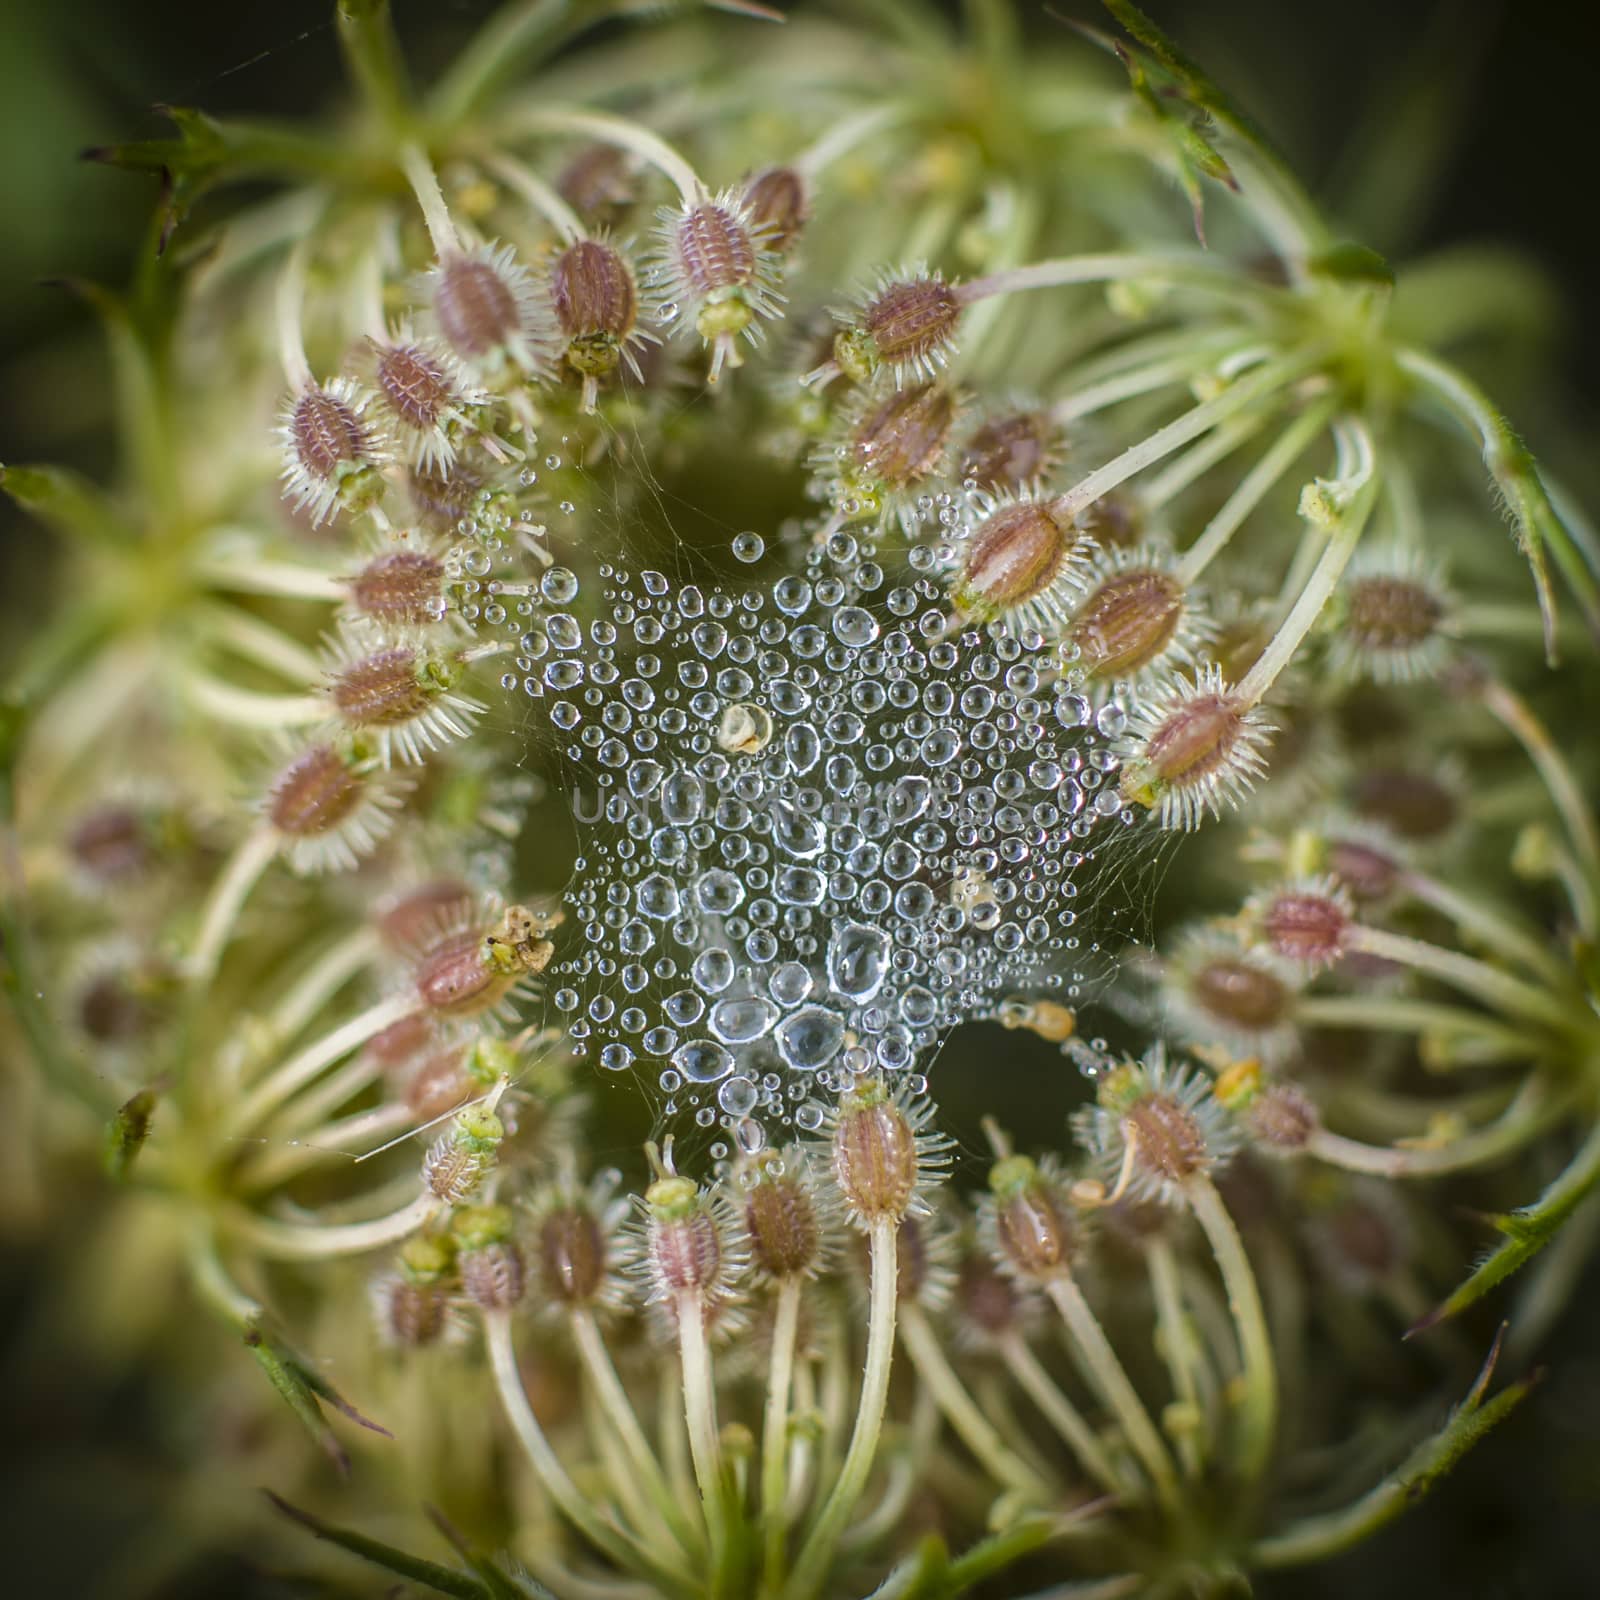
column 1318, row 1537
column 64, row 501
column 303, row 1390
column 129, row 1129
column 1526, row 1231
column 1348, row 262
column 499, row 1584
column 443, row 1580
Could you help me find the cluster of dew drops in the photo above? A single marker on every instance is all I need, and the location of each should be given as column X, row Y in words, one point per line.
column 822, row 823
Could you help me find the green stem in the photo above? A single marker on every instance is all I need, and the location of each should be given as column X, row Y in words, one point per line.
column 971, row 1426
column 811, row 1568
column 1061, row 1414
column 372, row 57
column 1115, row 1387
column 1180, row 1349
column 1260, row 1405
column 705, row 1443
column 775, row 1433
column 310, row 1241
column 547, row 1466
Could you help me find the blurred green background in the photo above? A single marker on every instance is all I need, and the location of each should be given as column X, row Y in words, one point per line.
column 1421, row 125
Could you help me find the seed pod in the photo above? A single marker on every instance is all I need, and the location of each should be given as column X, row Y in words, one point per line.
column 410, row 1314
column 438, row 1085
column 332, row 452
column 489, row 1260
column 1282, row 1118
column 778, row 206
column 1011, row 453
column 1113, row 522
column 714, row 274
column 1029, row 1221
column 988, row 1308
column 1414, row 805
column 684, row 1239
column 422, row 915
column 596, row 183
column 400, row 1043
column 403, row 586
column 443, row 499
column 485, row 306
column 404, row 695
column 1364, row 867
column 570, row 1255
column 1306, row 924
column 464, row 1155
column 1155, row 1129
column 468, row 973
column 902, row 440
column 780, row 1215
column 908, row 327
column 880, row 1157
column 111, row 844
column 1129, row 621
column 329, row 811
column 1195, row 750
column 1390, row 617
column 1240, row 994
column 596, row 307
column 1019, row 559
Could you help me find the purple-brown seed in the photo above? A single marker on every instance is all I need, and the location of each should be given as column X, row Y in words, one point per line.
column 1282, row 1117
column 414, row 1313
column 1368, row 873
column 1008, row 453
column 493, row 1277
column 592, row 291
column 1036, row 1231
column 1414, row 805
column 912, row 321
column 402, row 586
column 903, row 439
column 314, row 794
column 781, row 1221
column 875, row 1157
column 476, row 308
column 381, row 690
column 439, row 1085
column 110, row 843
column 1169, row 1137
column 1305, row 927
column 1390, row 613
column 1128, row 621
column 1240, row 994
column 686, row 1252
column 778, row 206
column 596, row 183
column 422, row 913
column 714, row 249
column 327, row 434
column 417, row 387
column 986, row 1298
column 1196, row 739
column 1013, row 556
column 457, row 979
column 571, row 1255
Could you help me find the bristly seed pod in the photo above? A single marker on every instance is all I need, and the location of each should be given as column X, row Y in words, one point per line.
column 714, row 273
column 1194, row 750
column 596, row 307
column 490, row 1263
column 908, row 327
column 1010, row 454
column 332, row 452
column 1136, row 617
column 988, row 1309
column 778, row 205
column 902, row 440
column 486, row 307
column 1390, row 618
column 424, row 397
column 1414, row 805
column 412, row 1304
column 1156, row 1129
column 439, row 1085
column 330, row 810
column 689, row 1254
column 1023, row 559
column 401, row 586
column 111, row 844
column 880, row 1156
column 1305, row 923
column 1220, row 990
column 405, row 696
column 780, row 1215
column 570, row 1253
column 597, row 184
column 1029, row 1222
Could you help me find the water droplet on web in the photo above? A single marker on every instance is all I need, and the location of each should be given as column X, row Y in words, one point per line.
column 748, row 547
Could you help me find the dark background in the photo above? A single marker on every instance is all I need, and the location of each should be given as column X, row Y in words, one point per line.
column 1517, row 154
